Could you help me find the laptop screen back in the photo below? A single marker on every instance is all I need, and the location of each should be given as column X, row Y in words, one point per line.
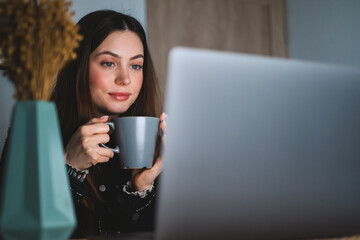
column 259, row 148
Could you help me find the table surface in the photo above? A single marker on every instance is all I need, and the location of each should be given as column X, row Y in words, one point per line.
column 149, row 236
column 123, row 236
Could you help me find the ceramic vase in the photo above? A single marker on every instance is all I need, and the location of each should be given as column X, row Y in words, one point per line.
column 35, row 196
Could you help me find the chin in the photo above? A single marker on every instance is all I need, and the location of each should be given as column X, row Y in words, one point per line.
column 114, row 110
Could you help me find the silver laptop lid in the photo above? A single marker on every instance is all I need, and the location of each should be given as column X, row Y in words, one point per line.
column 259, row 148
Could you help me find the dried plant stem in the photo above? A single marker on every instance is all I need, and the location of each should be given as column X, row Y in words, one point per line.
column 37, row 38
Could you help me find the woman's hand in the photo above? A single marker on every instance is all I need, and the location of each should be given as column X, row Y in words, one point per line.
column 143, row 178
column 83, row 150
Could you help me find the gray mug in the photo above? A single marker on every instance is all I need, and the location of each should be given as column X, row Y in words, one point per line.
column 135, row 139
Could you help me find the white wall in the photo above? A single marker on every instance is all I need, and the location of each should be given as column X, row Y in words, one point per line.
column 324, row 30
column 135, row 8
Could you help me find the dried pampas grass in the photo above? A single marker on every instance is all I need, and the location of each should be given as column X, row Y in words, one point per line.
column 37, row 38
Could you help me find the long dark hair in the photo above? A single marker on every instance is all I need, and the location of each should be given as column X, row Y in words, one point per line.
column 71, row 92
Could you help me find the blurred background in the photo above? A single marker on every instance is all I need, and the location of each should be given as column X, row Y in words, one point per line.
column 314, row 30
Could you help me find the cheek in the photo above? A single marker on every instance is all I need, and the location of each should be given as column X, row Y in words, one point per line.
column 138, row 84
column 97, row 80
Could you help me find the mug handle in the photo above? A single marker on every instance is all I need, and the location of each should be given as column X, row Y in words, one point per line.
column 116, row 149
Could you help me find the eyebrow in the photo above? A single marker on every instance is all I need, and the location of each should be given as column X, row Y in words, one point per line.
column 117, row 56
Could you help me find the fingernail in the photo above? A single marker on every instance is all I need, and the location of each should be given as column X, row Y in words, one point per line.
column 165, row 115
column 105, row 116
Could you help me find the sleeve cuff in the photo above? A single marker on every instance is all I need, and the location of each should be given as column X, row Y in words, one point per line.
column 73, row 172
column 142, row 194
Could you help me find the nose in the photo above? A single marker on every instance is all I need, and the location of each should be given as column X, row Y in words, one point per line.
column 122, row 77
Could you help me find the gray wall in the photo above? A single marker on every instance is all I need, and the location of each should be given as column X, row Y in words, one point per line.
column 324, row 30
column 135, row 8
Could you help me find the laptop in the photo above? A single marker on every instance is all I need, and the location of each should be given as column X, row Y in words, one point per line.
column 259, row 148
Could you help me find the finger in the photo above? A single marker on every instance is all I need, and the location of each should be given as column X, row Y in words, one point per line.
column 94, row 156
column 105, row 152
column 94, row 140
column 163, row 124
column 163, row 117
column 94, row 128
column 90, row 153
column 142, row 179
column 99, row 159
column 163, row 135
column 135, row 172
column 98, row 120
column 154, row 171
column 158, row 166
column 96, row 124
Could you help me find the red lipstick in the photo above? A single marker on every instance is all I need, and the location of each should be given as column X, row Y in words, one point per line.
column 120, row 96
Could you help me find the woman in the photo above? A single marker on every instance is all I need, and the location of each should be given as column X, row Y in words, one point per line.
column 112, row 76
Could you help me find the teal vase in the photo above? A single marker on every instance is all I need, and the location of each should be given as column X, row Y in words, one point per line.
column 35, row 197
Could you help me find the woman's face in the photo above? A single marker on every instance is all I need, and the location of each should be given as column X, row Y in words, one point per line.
column 116, row 72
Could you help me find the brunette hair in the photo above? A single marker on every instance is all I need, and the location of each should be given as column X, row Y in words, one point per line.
column 71, row 92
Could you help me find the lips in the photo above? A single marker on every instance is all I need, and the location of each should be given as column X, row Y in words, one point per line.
column 120, row 96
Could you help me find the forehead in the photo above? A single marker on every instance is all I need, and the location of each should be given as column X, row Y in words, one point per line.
column 121, row 43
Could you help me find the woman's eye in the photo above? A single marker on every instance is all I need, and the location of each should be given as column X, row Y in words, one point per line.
column 107, row 64
column 136, row 67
